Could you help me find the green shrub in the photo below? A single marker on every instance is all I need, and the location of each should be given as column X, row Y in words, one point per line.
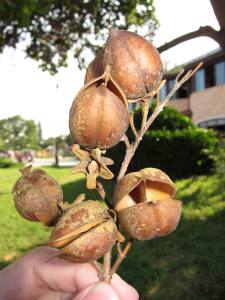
column 220, row 159
column 169, row 119
column 179, row 148
column 6, row 162
column 220, row 165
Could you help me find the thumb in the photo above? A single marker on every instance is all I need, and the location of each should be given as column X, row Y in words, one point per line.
column 100, row 291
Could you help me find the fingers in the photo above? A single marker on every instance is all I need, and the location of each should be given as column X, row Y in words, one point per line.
column 64, row 276
column 100, row 291
column 123, row 289
column 52, row 295
column 104, row 291
column 59, row 274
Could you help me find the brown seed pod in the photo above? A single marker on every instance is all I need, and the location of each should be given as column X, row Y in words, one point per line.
column 134, row 63
column 99, row 114
column 95, row 68
column 36, row 196
column 85, row 232
column 144, row 205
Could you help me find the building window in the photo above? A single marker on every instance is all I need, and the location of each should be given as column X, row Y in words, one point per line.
column 163, row 92
column 209, row 76
column 220, row 73
column 131, row 106
column 200, row 80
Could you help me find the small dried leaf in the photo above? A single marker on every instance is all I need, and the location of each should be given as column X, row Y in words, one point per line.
column 105, row 173
column 80, row 168
column 80, row 153
column 91, row 181
column 107, row 161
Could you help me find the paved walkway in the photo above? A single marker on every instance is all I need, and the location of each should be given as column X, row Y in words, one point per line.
column 50, row 161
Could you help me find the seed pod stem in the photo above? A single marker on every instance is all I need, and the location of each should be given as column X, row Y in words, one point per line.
column 144, row 114
column 121, row 256
column 132, row 126
column 126, row 141
column 147, row 123
column 98, row 268
column 102, row 193
column 178, row 83
column 106, row 274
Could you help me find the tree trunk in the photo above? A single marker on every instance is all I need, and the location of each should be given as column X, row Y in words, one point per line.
column 56, row 153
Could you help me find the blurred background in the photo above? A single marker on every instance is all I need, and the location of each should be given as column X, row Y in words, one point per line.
column 45, row 47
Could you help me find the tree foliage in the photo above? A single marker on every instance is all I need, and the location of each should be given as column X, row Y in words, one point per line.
column 60, row 141
column 17, row 133
column 53, row 27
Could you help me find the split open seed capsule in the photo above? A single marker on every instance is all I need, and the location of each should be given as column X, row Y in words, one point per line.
column 99, row 114
column 144, row 204
column 95, row 68
column 134, row 63
column 37, row 195
column 85, row 232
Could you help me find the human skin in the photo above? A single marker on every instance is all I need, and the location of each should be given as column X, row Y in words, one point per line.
column 33, row 277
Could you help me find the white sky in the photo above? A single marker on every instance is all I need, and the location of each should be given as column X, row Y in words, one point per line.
column 33, row 94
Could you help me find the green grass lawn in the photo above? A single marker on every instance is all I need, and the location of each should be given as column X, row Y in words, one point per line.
column 188, row 264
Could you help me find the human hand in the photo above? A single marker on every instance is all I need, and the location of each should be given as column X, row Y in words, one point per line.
column 31, row 277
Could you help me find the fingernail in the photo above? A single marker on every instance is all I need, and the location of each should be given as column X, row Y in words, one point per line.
column 101, row 291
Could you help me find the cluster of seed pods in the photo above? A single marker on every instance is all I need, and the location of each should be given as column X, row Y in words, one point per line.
column 129, row 67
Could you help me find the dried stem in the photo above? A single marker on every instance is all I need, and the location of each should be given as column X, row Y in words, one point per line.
column 121, row 255
column 132, row 126
column 144, row 116
column 126, row 141
column 146, row 123
column 118, row 248
column 177, row 85
column 106, row 274
column 102, row 193
column 98, row 267
column 157, row 99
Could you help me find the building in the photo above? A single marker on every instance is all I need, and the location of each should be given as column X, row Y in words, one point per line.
column 202, row 98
